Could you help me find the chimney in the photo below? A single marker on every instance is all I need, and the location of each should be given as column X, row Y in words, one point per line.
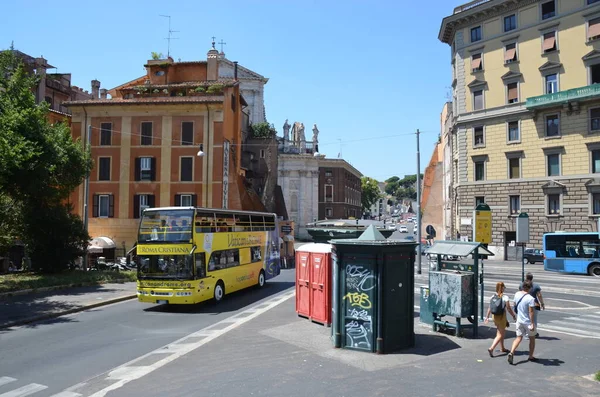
column 95, row 89
column 212, row 67
column 40, row 68
column 235, row 64
column 103, row 92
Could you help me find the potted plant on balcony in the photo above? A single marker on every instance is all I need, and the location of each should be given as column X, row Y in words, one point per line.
column 197, row 91
column 215, row 89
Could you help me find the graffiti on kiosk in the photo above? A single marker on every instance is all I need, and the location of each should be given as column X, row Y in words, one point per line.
column 358, row 299
column 360, row 314
column 357, row 335
column 359, row 278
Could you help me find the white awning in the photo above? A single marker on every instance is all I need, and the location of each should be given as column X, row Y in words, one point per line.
column 99, row 244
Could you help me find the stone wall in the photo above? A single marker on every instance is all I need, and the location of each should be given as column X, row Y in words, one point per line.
column 574, row 217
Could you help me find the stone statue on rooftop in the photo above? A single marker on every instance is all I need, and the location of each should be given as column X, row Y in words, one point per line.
column 301, row 136
column 315, row 137
column 286, row 130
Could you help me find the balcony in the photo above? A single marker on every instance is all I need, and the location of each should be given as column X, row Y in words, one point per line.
column 563, row 97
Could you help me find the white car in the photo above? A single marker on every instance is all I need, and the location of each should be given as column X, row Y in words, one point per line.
column 403, row 229
column 391, row 226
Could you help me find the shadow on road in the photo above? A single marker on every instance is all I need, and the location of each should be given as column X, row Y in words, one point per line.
column 36, row 306
column 230, row 303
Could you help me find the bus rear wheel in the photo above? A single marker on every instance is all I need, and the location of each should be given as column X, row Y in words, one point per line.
column 261, row 279
column 594, row 270
column 219, row 291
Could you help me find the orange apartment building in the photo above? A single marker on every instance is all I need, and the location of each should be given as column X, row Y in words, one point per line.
column 145, row 142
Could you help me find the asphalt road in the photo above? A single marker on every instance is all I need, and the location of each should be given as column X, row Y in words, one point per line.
column 60, row 353
column 87, row 352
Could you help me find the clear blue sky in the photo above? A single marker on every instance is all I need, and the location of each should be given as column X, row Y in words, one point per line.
column 367, row 72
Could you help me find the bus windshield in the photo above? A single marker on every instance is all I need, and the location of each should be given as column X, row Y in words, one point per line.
column 165, row 266
column 170, row 225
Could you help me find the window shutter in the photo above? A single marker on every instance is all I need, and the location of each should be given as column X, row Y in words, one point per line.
column 594, row 28
column 177, row 200
column 476, row 62
column 153, row 169
column 510, row 53
column 549, row 41
column 138, row 169
column 194, row 200
column 95, row 206
column 111, row 206
column 513, row 92
column 136, row 206
column 151, row 200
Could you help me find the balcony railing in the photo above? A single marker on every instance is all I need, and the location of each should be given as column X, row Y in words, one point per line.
column 575, row 94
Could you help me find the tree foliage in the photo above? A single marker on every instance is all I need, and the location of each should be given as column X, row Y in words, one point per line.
column 262, row 130
column 370, row 192
column 40, row 165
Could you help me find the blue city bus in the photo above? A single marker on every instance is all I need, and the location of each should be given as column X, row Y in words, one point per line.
column 577, row 253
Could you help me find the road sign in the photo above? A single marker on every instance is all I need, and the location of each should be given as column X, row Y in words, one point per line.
column 286, row 229
column 482, row 232
column 523, row 228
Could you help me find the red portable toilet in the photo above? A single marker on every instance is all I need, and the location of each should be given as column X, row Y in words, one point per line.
column 313, row 282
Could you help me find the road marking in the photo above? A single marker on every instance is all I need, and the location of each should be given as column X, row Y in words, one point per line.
column 6, row 379
column 129, row 371
column 25, row 390
column 66, row 394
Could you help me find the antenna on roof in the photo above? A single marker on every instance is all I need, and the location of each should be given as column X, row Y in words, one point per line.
column 170, row 33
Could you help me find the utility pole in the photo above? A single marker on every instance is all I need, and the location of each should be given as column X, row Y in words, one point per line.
column 86, row 194
column 418, row 206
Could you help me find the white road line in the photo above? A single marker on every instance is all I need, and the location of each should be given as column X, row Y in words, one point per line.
column 6, row 379
column 129, row 371
column 582, row 320
column 25, row 390
column 569, row 331
column 66, row 394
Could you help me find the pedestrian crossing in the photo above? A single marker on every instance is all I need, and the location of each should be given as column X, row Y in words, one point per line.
column 12, row 387
column 585, row 325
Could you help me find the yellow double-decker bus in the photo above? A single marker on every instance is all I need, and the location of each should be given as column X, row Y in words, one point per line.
column 187, row 255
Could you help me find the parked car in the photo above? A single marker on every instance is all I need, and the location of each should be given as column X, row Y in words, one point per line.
column 533, row 255
column 403, row 229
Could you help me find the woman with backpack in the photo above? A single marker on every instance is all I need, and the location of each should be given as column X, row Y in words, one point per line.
column 499, row 304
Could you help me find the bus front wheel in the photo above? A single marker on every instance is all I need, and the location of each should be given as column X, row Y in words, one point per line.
column 261, row 279
column 219, row 291
column 594, row 270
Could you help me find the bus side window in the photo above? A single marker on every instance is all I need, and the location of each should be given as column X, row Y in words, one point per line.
column 201, row 265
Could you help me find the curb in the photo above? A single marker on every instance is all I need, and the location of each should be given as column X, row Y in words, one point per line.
column 48, row 316
column 4, row 295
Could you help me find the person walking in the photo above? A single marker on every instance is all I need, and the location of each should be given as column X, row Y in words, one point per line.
column 536, row 292
column 499, row 305
column 525, row 308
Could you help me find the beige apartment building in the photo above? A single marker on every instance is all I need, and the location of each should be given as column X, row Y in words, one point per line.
column 526, row 114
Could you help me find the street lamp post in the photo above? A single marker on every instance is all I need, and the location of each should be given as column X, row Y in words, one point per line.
column 86, row 193
column 418, row 206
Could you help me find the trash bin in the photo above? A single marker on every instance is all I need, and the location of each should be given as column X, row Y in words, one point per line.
column 313, row 282
column 425, row 313
column 373, row 297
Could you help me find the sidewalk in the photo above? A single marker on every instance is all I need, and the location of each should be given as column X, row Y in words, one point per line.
column 281, row 354
column 24, row 309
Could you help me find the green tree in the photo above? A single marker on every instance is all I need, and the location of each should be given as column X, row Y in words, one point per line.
column 40, row 165
column 370, row 192
column 156, row 55
column 392, row 179
column 262, row 130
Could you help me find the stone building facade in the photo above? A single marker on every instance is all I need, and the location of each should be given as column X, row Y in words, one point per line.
column 170, row 139
column 299, row 181
column 339, row 189
column 526, row 105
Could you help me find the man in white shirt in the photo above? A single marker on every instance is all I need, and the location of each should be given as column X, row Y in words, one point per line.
column 525, row 304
